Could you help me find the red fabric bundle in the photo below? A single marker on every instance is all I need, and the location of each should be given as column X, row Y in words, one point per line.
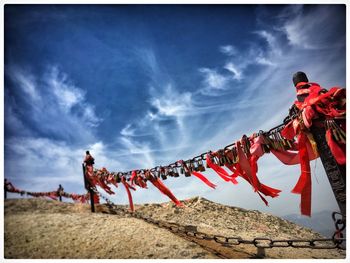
column 220, row 171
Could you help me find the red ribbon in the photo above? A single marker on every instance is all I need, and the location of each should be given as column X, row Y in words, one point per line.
column 104, row 186
column 303, row 186
column 337, row 151
column 96, row 199
column 163, row 189
column 247, row 168
column 204, row 179
column 220, row 171
column 127, row 186
column 133, row 175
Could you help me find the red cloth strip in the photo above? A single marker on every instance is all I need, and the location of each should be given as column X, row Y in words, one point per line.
column 338, row 152
column 220, row 171
column 303, row 186
column 164, row 190
column 126, row 185
column 133, row 175
column 204, row 179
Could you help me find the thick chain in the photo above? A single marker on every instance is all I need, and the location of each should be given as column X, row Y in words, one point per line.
column 259, row 242
column 340, row 224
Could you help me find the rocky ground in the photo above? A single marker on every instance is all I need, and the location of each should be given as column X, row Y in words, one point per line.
column 39, row 228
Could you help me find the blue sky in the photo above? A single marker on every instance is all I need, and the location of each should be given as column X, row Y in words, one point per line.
column 141, row 86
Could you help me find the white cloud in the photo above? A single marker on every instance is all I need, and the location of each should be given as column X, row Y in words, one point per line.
column 172, row 103
column 213, row 79
column 26, row 82
column 135, row 149
column 50, row 104
column 228, row 50
column 237, row 74
column 274, row 47
column 66, row 93
column 312, row 29
column 264, row 61
column 127, row 131
column 89, row 115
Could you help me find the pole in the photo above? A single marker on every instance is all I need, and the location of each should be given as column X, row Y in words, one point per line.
column 336, row 173
column 87, row 187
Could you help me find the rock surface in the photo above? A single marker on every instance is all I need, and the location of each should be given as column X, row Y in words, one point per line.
column 39, row 228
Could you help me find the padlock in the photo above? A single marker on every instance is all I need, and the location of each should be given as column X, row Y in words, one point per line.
column 176, row 174
column 164, row 177
column 191, row 166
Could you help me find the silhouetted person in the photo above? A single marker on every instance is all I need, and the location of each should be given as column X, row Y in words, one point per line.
column 60, row 192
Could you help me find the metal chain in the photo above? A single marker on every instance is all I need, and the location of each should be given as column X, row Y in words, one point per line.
column 259, row 242
column 340, row 225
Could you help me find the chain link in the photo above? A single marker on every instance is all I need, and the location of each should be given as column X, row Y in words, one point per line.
column 259, row 242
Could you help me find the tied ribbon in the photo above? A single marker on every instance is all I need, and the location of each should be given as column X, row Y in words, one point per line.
column 163, row 189
column 90, row 176
column 204, row 179
column 104, row 186
column 220, row 171
column 336, row 149
column 248, row 168
column 96, row 199
column 303, row 186
column 127, row 188
column 111, row 180
column 133, row 175
column 141, row 182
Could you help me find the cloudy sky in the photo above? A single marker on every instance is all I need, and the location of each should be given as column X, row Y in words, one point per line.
column 141, row 86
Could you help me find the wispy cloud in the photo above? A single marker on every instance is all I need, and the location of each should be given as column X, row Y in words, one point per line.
column 172, row 103
column 213, row 79
column 26, row 82
column 273, row 45
column 54, row 104
column 300, row 24
column 127, row 131
column 237, row 74
column 228, row 50
column 66, row 93
column 140, row 153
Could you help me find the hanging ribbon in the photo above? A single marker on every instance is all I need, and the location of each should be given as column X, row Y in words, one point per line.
column 127, row 186
column 337, row 151
column 204, row 179
column 303, row 186
column 221, row 172
column 162, row 188
column 132, row 178
column 96, row 199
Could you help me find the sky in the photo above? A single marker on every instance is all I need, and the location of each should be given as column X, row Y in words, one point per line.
column 147, row 85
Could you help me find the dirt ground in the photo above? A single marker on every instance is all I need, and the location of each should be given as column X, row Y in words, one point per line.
column 39, row 228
